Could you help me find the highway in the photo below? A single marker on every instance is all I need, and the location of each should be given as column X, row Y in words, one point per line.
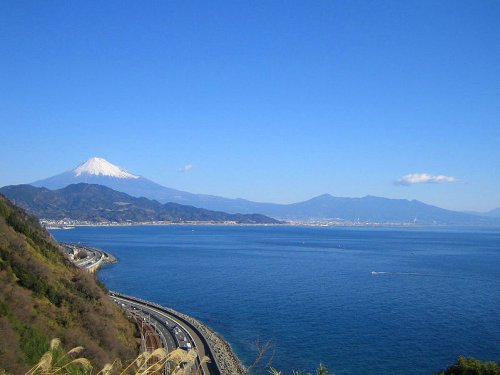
column 92, row 260
column 160, row 326
column 173, row 331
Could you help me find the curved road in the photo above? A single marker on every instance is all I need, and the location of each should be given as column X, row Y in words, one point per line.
column 173, row 328
column 94, row 257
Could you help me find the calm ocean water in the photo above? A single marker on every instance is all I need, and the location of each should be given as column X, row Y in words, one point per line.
column 435, row 296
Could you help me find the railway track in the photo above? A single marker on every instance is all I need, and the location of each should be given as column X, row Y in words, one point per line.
column 160, row 328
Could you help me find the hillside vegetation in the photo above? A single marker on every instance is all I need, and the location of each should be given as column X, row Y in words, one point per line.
column 42, row 295
column 99, row 203
column 471, row 366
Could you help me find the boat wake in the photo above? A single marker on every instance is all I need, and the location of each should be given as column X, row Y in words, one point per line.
column 377, row 273
column 400, row 273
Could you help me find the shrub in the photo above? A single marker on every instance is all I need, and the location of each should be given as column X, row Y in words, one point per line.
column 471, row 366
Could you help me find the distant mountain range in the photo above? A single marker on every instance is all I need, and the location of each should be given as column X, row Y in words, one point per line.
column 101, row 172
column 324, row 207
column 493, row 213
column 373, row 209
column 97, row 203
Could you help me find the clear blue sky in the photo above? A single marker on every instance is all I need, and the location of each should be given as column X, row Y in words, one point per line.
column 271, row 101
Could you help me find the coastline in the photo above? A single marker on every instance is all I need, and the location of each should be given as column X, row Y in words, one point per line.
column 68, row 226
column 226, row 360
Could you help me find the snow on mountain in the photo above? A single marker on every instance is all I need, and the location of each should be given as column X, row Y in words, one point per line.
column 101, row 167
column 371, row 209
column 101, row 172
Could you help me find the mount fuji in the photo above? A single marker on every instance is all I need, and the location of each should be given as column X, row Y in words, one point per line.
column 368, row 209
column 101, row 172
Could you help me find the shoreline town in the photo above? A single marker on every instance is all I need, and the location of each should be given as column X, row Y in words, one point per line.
column 71, row 224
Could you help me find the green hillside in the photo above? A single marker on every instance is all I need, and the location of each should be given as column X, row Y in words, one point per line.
column 43, row 296
column 97, row 203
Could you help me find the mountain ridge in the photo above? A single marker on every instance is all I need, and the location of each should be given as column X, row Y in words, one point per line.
column 322, row 207
column 98, row 203
column 494, row 213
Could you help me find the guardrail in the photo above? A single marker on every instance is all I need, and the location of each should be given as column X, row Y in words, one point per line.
column 163, row 309
column 213, row 366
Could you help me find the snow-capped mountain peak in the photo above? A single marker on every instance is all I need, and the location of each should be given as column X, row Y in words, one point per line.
column 101, row 167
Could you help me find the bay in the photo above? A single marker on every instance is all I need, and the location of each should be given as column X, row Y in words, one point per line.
column 360, row 300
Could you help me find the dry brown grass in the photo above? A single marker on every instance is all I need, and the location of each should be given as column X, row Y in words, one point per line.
column 177, row 362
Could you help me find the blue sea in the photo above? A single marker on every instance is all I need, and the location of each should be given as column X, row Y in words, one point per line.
column 360, row 300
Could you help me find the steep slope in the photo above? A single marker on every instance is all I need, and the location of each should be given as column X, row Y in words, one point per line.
column 43, row 296
column 100, row 204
